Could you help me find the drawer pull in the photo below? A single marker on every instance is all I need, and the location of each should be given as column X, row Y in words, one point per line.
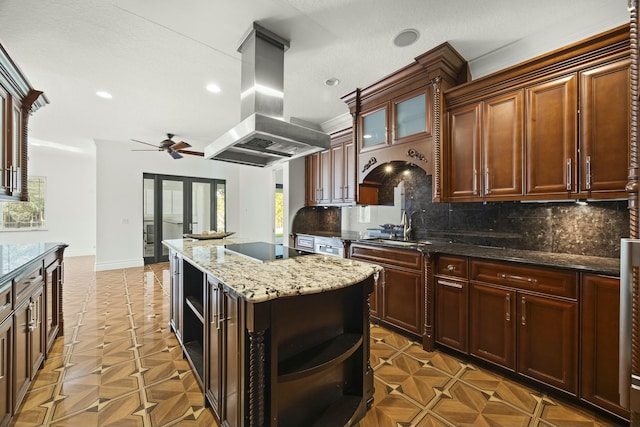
column 508, row 315
column 524, row 312
column 518, row 278
column 450, row 284
column 451, row 267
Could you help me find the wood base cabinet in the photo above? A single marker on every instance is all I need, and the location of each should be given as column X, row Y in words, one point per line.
column 600, row 322
column 451, row 296
column 6, row 386
column 400, row 290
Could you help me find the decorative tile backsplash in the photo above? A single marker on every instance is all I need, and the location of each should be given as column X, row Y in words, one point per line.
column 561, row 227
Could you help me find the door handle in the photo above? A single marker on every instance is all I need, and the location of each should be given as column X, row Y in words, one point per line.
column 508, row 315
column 524, row 312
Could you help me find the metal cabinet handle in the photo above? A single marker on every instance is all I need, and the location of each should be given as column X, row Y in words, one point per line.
column 32, row 323
column 475, row 182
column 588, row 173
column 451, row 267
column 215, row 314
column 518, row 278
column 486, row 182
column 524, row 312
column 508, row 315
column 450, row 284
column 569, row 174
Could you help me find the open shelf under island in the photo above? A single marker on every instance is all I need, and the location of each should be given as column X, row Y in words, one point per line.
column 275, row 336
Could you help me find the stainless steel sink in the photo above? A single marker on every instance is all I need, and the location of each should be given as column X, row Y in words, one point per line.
column 393, row 242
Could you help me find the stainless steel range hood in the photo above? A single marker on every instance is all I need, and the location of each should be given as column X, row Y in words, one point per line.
column 263, row 137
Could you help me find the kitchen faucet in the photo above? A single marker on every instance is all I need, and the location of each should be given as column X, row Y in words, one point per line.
column 406, row 225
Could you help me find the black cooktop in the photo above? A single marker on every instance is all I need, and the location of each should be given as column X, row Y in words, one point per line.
column 263, row 251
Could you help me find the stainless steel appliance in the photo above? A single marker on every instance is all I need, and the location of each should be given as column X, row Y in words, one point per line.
column 628, row 384
column 329, row 246
column 264, row 252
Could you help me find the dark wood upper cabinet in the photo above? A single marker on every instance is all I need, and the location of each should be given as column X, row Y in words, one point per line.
column 605, row 101
column 17, row 101
column 551, row 147
column 568, row 138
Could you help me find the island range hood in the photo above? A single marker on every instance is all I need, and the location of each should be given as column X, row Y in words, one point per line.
column 263, row 137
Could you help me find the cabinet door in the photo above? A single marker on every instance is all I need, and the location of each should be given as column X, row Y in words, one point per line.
column 324, row 187
column 312, row 170
column 502, row 146
column 374, row 299
column 599, row 326
column 37, row 331
column 15, row 151
column 52, row 303
column 21, row 359
column 551, row 141
column 350, row 172
column 232, row 368
column 548, row 341
column 6, row 333
column 464, row 152
column 451, row 311
column 213, row 381
column 401, row 299
column 492, row 331
column 338, row 168
column 4, row 138
column 175, row 296
column 411, row 118
column 605, row 128
column 374, row 129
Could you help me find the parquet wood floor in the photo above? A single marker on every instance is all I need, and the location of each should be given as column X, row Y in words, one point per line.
column 118, row 364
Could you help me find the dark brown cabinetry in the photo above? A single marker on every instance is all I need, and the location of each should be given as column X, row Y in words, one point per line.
column 451, row 298
column 17, row 101
column 400, row 294
column 485, row 150
column 545, row 327
column 53, row 298
column 330, row 175
column 6, row 357
column 600, row 323
column 175, row 303
column 575, row 120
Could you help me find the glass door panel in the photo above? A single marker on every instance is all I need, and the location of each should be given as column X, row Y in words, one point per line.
column 374, row 128
column 200, row 208
column 148, row 218
column 220, row 207
column 172, row 211
column 411, row 116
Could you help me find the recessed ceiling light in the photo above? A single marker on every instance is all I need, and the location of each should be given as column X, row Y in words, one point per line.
column 332, row 82
column 406, row 37
column 104, row 94
column 213, row 88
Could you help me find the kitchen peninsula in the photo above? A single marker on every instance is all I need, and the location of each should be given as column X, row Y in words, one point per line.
column 276, row 336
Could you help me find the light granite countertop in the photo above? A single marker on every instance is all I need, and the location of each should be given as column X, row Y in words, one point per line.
column 257, row 281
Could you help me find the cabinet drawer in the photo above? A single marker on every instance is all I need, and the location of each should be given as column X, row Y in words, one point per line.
column 305, row 242
column 454, row 266
column 6, row 302
column 399, row 258
column 24, row 283
column 538, row 279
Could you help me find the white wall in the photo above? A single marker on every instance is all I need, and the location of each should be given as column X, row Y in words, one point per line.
column 70, row 197
column 249, row 198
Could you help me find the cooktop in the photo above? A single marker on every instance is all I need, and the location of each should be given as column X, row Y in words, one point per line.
column 262, row 251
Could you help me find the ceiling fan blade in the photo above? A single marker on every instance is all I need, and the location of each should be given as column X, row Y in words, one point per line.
column 193, row 153
column 180, row 145
column 142, row 149
column 175, row 154
column 145, row 143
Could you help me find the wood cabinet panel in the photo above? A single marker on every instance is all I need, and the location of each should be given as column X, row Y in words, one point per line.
column 502, row 135
column 551, row 142
column 454, row 266
column 21, row 359
column 600, row 323
column 464, row 152
column 451, row 309
column 492, row 317
column 605, row 101
column 548, row 341
column 6, row 335
column 402, row 296
column 407, row 259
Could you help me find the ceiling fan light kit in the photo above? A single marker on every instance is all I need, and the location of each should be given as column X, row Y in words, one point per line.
column 174, row 149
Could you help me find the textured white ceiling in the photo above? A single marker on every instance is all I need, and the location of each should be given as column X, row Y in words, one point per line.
column 156, row 56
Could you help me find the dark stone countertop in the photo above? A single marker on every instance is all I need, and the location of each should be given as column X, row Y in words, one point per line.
column 591, row 264
column 14, row 257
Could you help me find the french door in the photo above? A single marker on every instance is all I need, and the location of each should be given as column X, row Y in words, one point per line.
column 176, row 205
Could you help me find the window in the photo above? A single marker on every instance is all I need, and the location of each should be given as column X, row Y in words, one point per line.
column 23, row 216
column 279, row 204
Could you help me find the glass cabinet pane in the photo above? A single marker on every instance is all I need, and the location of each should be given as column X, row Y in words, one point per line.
column 16, row 150
column 374, row 128
column 200, row 208
column 411, row 116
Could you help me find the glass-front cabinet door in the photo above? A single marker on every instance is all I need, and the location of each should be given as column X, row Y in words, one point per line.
column 374, row 128
column 3, row 140
column 411, row 118
column 16, row 150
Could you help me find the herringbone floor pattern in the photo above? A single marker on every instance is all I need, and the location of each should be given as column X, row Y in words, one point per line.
column 118, row 364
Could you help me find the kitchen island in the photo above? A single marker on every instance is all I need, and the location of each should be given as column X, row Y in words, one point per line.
column 276, row 337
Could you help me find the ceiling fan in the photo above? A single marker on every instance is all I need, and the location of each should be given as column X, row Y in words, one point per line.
column 173, row 148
